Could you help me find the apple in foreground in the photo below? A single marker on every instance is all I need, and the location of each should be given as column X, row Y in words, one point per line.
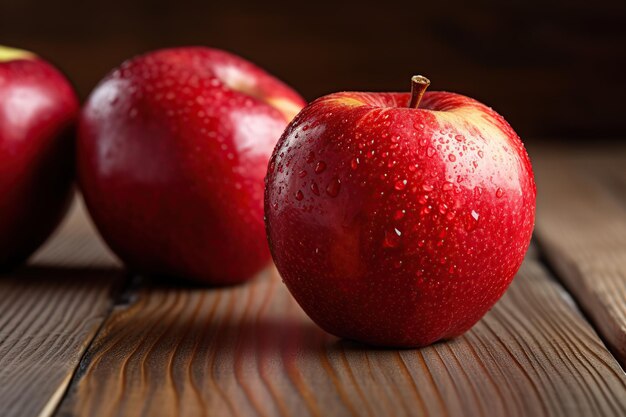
column 398, row 219
column 172, row 150
column 38, row 109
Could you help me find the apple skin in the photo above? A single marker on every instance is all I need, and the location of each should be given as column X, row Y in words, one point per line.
column 38, row 109
column 397, row 226
column 172, row 150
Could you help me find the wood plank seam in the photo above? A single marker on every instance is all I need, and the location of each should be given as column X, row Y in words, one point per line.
column 581, row 228
column 585, row 305
column 120, row 299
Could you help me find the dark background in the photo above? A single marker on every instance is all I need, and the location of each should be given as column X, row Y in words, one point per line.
column 553, row 69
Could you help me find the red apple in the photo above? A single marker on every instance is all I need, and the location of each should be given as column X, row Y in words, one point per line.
column 395, row 222
column 172, row 151
column 38, row 108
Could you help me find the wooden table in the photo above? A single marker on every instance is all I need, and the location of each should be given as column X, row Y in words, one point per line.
column 78, row 337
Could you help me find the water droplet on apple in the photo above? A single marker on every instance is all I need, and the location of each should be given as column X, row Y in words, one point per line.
column 427, row 187
column 399, row 214
column 447, row 186
column 299, row 195
column 302, row 174
column 450, row 215
column 333, row 187
column 460, row 138
column 472, row 221
column 499, row 192
column 430, row 151
column 392, row 238
column 315, row 189
column 481, row 154
column 354, row 164
column 320, row 167
column 451, row 158
column 400, row 184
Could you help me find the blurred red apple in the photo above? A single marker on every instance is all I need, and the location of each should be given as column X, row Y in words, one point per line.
column 172, row 151
column 38, row 108
column 395, row 222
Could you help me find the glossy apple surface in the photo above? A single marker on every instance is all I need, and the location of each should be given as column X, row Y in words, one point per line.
column 38, row 108
column 172, row 151
column 398, row 226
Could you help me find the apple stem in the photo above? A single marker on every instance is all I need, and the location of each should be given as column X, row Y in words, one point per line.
column 419, row 84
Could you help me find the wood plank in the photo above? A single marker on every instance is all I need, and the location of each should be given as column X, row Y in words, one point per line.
column 581, row 224
column 251, row 351
column 49, row 313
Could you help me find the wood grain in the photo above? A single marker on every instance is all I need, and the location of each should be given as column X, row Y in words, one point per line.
column 251, row 351
column 581, row 224
column 49, row 313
